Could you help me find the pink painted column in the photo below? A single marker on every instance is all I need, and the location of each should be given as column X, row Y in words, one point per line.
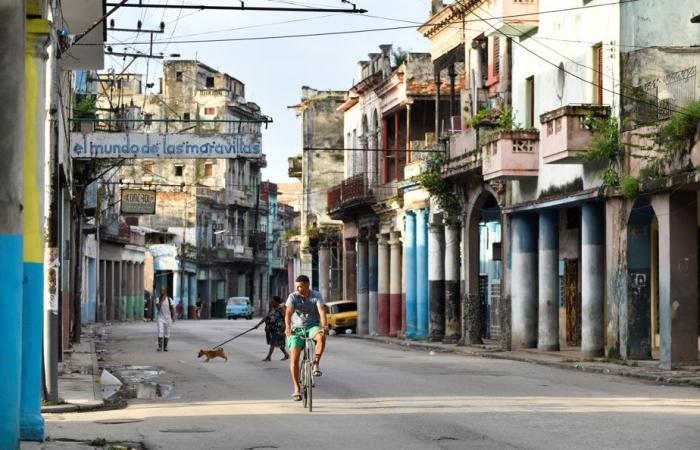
column 395, row 309
column 383, row 279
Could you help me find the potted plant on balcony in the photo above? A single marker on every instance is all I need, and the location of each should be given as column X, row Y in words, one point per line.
column 84, row 112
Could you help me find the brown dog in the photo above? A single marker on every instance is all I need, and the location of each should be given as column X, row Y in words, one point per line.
column 211, row 354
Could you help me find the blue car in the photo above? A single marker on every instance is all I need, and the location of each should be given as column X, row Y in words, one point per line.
column 239, row 307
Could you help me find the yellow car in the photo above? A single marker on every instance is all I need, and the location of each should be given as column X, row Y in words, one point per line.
column 341, row 315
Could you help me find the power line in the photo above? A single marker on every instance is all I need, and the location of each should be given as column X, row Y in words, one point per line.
column 386, row 28
column 241, row 7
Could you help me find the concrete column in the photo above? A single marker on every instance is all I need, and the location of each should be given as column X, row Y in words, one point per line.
column 37, row 35
column 349, row 270
column 395, row 284
column 383, row 278
column 678, row 301
column 524, row 274
column 422, row 298
column 592, row 280
column 409, row 252
column 452, row 299
column 324, row 262
column 110, row 279
column 120, row 274
column 472, row 313
column 548, row 282
column 436, row 281
column 362, row 286
column 12, row 36
column 373, row 263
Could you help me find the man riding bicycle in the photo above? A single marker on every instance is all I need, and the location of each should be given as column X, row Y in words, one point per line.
column 305, row 316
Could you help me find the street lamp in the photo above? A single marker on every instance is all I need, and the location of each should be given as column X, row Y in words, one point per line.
column 695, row 19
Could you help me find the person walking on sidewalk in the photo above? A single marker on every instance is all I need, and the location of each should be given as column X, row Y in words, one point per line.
column 165, row 316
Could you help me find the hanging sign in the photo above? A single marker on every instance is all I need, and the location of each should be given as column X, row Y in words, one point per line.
column 138, row 201
column 165, row 145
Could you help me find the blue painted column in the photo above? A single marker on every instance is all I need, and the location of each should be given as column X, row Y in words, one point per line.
column 409, row 248
column 12, row 23
column 524, row 277
column 548, row 282
column 373, row 284
column 592, row 280
column 362, row 286
column 422, row 299
column 31, row 421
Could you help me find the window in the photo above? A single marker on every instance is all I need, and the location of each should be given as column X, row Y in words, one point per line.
column 186, row 117
column 598, row 74
column 208, row 169
column 209, row 111
column 530, row 101
column 210, row 82
column 148, row 120
column 178, row 76
column 178, row 170
column 496, row 55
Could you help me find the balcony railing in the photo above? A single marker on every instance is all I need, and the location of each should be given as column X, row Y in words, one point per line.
column 511, row 154
column 566, row 133
column 353, row 189
column 516, row 17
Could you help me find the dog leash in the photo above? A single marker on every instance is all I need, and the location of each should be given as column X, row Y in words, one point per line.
column 236, row 336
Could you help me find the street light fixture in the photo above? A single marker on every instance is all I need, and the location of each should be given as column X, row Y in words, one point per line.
column 695, row 19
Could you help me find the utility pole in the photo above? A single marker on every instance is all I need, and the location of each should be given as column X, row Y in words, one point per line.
column 12, row 36
column 182, row 253
column 53, row 231
column 256, row 238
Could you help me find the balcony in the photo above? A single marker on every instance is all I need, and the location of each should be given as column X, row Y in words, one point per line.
column 351, row 193
column 277, row 263
column 234, row 197
column 295, row 167
column 516, row 17
column 511, row 155
column 566, row 135
column 464, row 156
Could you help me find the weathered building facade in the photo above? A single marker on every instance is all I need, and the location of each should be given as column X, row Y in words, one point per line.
column 210, row 226
column 389, row 120
column 318, row 169
column 565, row 242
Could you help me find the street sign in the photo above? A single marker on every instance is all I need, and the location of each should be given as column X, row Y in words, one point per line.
column 138, row 201
column 165, row 145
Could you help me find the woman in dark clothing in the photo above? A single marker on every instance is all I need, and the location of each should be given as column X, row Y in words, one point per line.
column 274, row 328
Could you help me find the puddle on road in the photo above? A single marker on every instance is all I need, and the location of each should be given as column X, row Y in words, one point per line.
column 139, row 373
column 138, row 384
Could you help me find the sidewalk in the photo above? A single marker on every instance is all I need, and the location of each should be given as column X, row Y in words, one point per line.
column 78, row 386
column 568, row 358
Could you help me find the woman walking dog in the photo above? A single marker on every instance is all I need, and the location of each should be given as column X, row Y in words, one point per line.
column 274, row 328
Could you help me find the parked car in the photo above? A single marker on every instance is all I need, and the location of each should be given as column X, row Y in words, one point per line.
column 341, row 315
column 239, row 307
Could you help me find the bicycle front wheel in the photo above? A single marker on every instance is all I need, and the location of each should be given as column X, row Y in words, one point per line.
column 304, row 381
column 310, row 386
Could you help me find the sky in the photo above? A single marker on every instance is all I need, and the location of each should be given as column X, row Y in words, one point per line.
column 273, row 70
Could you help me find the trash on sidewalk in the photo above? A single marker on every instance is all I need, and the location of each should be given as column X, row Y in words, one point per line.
column 110, row 384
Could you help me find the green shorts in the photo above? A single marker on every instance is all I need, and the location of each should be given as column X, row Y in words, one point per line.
column 295, row 340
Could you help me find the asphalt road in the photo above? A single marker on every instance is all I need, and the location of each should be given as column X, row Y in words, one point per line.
column 375, row 396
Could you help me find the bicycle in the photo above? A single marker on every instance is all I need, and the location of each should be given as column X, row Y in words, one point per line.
column 306, row 373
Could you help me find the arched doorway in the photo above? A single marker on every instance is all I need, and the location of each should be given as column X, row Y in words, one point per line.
column 642, row 281
column 484, row 271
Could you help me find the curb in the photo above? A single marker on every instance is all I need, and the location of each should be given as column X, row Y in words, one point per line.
column 503, row 355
